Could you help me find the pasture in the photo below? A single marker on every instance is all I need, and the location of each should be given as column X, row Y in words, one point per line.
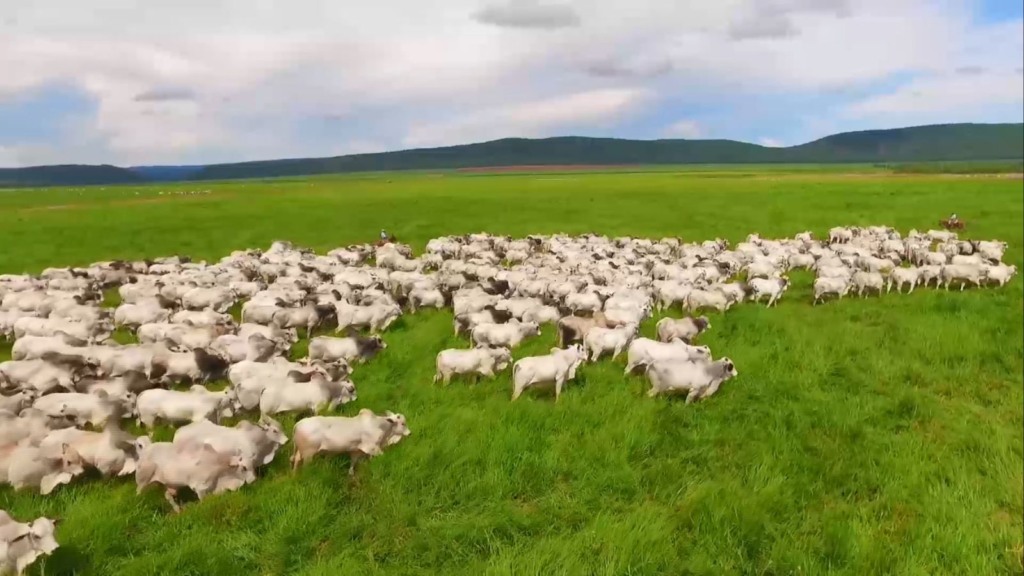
column 868, row 436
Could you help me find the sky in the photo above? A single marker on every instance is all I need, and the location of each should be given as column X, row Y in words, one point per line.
column 204, row 81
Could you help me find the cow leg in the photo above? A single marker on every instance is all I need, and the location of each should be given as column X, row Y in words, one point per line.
column 559, row 382
column 517, row 391
column 447, row 378
column 618, row 350
column 354, row 459
column 169, row 495
column 693, row 395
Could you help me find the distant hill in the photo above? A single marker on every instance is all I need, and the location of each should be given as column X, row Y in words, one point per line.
column 165, row 173
column 938, row 143
column 67, row 175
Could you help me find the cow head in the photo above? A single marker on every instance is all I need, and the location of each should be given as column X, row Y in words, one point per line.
column 398, row 428
column 273, row 430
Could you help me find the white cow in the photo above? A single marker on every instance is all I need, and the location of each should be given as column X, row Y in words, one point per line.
column 772, row 289
column 685, row 329
column 865, row 281
column 196, row 466
column 558, row 367
column 361, row 436
column 28, row 465
column 481, row 361
column 21, row 544
column 95, row 409
column 1000, row 274
column 900, row 276
column 698, row 379
column 174, row 406
column 112, row 452
column 644, row 351
column 698, row 299
column 288, row 395
column 508, row 335
column 601, row 340
column 256, row 443
column 963, row 273
column 825, row 286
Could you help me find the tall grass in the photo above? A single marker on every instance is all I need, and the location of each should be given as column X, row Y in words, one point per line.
column 875, row 436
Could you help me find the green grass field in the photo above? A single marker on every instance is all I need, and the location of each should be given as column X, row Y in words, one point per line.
column 877, row 436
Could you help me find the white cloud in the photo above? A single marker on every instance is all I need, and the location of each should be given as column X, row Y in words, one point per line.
column 977, row 77
column 217, row 80
column 770, row 142
column 688, row 129
column 528, row 14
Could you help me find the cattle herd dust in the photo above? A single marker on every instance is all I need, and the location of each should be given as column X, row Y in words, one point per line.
column 69, row 386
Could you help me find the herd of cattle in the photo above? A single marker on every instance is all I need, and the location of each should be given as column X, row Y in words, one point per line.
column 69, row 386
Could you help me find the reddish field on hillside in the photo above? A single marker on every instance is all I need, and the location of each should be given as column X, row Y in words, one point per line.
column 544, row 168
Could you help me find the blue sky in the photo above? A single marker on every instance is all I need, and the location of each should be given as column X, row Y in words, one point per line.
column 222, row 80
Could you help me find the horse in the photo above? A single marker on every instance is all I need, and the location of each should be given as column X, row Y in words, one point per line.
column 950, row 224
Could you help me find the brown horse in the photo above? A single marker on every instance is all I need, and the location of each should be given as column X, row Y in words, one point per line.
column 950, row 224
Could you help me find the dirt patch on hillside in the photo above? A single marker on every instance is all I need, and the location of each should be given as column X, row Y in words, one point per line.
column 545, row 168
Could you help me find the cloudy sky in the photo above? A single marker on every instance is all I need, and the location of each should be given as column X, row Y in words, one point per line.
column 200, row 81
